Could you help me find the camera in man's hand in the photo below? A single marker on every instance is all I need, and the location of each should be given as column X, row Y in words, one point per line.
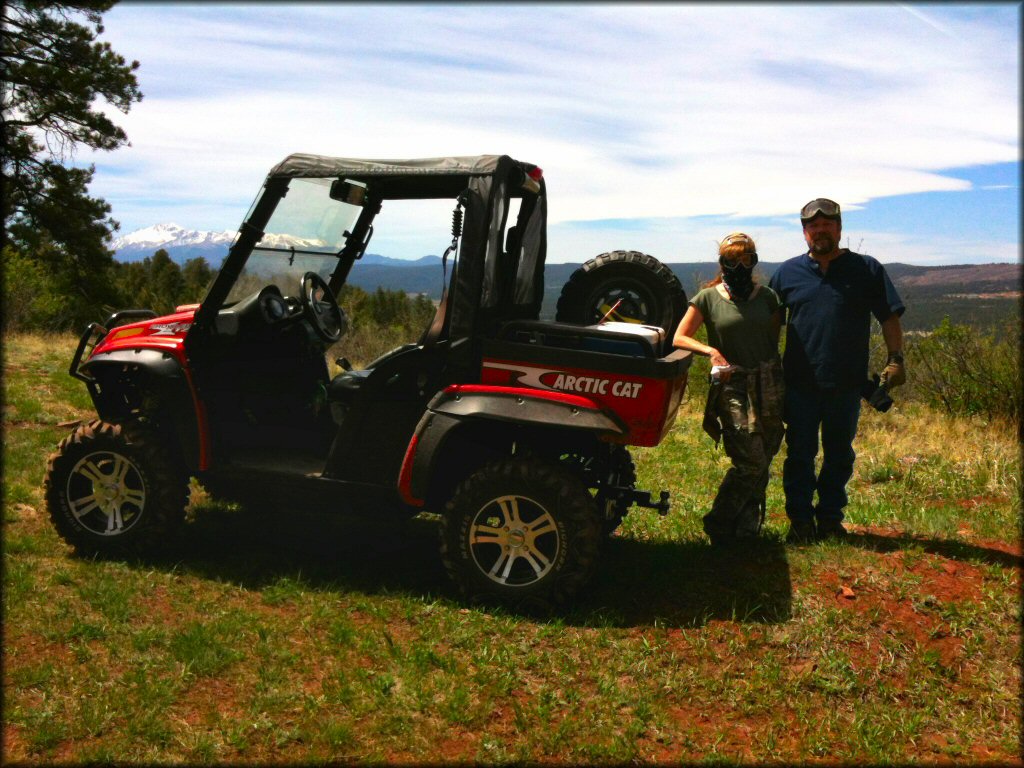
column 876, row 393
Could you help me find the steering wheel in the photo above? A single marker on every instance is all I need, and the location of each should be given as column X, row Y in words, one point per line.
column 321, row 309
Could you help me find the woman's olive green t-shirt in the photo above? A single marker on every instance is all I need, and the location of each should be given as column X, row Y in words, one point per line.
column 740, row 330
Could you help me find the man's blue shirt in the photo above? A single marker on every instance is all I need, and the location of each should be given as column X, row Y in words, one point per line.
column 829, row 317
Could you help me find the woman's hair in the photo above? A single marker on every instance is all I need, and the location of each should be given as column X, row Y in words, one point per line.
column 732, row 247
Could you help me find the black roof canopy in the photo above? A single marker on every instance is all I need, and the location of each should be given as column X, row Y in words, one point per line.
column 431, row 177
column 319, row 166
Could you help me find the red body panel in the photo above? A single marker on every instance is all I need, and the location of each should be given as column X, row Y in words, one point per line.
column 646, row 405
column 166, row 334
column 405, row 475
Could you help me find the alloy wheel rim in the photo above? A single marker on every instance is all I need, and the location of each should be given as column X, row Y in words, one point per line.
column 106, row 493
column 634, row 306
column 514, row 541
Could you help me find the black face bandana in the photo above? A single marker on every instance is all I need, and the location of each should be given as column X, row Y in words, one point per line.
column 738, row 279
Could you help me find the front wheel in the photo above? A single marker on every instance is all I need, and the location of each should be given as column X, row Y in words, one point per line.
column 113, row 489
column 520, row 531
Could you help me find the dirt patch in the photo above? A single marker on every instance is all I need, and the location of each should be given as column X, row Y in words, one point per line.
column 970, row 503
column 458, row 747
column 736, row 735
column 209, row 700
column 34, row 650
column 915, row 621
column 13, row 743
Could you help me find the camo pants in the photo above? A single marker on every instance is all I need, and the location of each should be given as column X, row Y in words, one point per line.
column 747, row 411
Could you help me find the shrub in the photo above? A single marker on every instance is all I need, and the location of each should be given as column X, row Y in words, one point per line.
column 31, row 297
column 380, row 321
column 964, row 371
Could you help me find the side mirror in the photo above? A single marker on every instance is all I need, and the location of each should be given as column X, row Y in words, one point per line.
column 348, row 192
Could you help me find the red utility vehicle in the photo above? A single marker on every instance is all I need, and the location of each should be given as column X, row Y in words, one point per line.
column 512, row 428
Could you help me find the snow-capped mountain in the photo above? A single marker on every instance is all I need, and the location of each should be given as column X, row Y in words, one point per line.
column 181, row 244
column 184, row 244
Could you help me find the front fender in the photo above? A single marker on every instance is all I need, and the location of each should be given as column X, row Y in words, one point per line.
column 504, row 408
column 151, row 383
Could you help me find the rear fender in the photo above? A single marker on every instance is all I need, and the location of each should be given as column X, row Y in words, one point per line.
column 151, row 383
column 465, row 424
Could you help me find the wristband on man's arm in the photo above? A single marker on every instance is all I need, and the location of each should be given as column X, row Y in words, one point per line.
column 895, row 357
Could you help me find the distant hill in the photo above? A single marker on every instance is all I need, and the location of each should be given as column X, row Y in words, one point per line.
column 977, row 294
column 986, row 295
column 982, row 295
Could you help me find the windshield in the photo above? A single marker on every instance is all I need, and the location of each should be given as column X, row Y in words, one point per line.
column 305, row 234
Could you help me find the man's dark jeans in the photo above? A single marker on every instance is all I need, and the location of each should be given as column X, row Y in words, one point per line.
column 835, row 412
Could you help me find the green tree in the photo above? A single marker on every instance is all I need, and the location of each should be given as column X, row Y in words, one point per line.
column 30, row 299
column 197, row 275
column 165, row 285
column 129, row 281
column 158, row 283
column 55, row 73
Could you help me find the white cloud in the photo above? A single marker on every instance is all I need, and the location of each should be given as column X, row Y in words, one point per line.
column 633, row 111
column 695, row 240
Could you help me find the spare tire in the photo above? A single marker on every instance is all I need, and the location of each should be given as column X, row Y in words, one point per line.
column 646, row 291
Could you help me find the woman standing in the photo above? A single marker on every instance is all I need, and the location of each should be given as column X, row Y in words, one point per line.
column 744, row 406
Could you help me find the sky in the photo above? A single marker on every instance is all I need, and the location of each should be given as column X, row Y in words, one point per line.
column 660, row 128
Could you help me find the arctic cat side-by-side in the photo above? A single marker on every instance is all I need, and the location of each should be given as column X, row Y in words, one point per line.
column 514, row 429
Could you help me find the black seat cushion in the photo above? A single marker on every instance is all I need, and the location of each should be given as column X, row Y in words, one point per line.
column 344, row 386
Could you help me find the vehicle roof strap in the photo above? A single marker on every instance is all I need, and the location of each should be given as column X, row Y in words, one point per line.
column 433, row 333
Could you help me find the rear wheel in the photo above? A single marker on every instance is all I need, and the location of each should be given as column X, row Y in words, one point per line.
column 520, row 531
column 625, row 286
column 113, row 489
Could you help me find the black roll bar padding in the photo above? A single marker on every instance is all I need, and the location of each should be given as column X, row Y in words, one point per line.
column 250, row 233
column 128, row 314
column 433, row 332
column 356, row 241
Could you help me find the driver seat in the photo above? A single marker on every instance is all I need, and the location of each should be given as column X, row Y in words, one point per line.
column 344, row 388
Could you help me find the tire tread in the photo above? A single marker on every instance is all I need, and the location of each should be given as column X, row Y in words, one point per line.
column 572, row 301
column 573, row 501
column 167, row 494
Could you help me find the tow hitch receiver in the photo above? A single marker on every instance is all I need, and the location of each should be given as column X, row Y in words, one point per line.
column 643, row 499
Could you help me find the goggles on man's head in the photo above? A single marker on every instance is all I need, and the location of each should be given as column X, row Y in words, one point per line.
column 822, row 206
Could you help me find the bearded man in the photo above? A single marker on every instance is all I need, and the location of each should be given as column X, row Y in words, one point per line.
column 829, row 295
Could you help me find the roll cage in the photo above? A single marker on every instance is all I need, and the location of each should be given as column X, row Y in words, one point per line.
column 498, row 274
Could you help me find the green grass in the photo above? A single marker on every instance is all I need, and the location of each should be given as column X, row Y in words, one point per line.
column 304, row 638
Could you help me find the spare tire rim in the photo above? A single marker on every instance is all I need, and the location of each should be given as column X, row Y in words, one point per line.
column 634, row 306
column 106, row 493
column 514, row 541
